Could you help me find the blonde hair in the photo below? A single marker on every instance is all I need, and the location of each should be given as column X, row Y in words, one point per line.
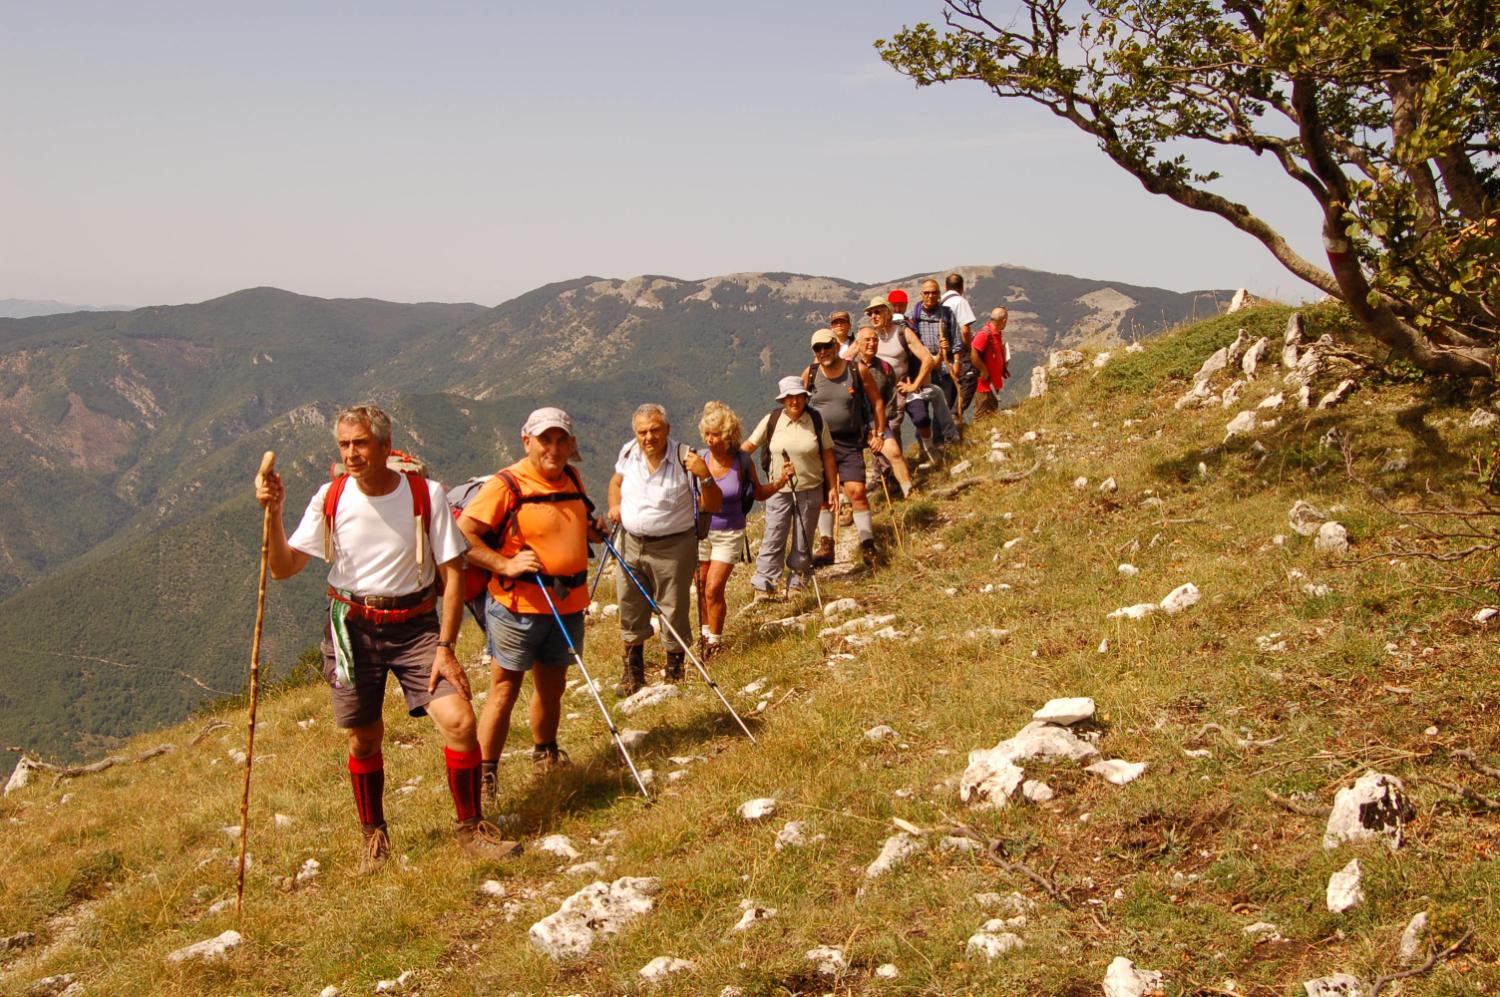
column 720, row 418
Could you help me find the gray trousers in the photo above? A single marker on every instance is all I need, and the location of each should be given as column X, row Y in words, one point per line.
column 779, row 528
column 666, row 567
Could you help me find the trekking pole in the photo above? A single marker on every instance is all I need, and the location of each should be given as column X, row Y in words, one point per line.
column 797, row 521
column 838, row 510
column 593, row 689
column 598, row 575
column 267, row 466
column 680, row 642
column 895, row 522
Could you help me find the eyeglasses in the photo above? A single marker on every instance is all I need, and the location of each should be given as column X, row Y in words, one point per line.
column 820, row 347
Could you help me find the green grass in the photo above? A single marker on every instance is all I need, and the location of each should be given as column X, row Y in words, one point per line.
column 1167, row 870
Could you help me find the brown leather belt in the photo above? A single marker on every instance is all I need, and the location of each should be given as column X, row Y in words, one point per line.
column 384, row 609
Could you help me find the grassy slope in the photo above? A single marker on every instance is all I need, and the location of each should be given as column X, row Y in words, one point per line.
column 1167, row 870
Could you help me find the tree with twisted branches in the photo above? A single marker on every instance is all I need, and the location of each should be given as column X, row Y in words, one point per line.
column 1386, row 112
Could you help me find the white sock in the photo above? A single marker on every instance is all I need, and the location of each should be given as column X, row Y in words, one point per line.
column 704, row 630
column 825, row 523
column 905, row 489
column 864, row 524
column 712, row 638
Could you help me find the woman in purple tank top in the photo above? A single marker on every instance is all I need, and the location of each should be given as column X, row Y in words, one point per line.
column 740, row 484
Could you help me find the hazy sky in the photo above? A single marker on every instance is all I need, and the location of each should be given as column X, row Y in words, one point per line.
column 169, row 152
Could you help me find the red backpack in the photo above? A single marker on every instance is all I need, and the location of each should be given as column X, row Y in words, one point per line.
column 421, row 502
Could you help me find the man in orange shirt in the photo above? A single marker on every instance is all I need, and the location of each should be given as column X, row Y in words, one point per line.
column 530, row 521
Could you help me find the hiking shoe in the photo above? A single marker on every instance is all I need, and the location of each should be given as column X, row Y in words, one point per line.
column 867, row 553
column 823, row 556
column 547, row 757
column 375, row 850
column 673, row 670
column 634, row 675
column 767, row 595
column 482, row 840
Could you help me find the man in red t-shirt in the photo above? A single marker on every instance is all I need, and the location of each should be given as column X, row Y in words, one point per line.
column 991, row 356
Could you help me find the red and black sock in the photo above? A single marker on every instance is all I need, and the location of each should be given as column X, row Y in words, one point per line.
column 464, row 782
column 368, row 778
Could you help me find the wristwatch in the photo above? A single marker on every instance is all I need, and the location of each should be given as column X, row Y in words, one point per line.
column 450, row 645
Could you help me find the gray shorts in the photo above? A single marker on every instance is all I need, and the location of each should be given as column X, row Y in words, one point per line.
column 406, row 650
column 519, row 640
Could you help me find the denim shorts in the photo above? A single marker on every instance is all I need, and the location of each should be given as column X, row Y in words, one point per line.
column 518, row 640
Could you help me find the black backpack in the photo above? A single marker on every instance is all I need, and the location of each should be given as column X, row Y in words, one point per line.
column 765, row 454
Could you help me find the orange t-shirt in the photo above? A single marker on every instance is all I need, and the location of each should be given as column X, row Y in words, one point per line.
column 556, row 531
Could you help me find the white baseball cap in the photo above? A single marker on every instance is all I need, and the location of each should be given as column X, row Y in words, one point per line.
column 544, row 419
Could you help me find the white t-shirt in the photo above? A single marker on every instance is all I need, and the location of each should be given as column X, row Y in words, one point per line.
column 375, row 538
column 960, row 305
column 654, row 503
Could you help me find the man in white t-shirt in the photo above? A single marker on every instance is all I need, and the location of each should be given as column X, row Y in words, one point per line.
column 652, row 496
column 965, row 375
column 393, row 547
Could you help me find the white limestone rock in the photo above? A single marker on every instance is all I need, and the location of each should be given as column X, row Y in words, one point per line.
column 887, row 971
column 632, row 739
column 1038, row 381
column 612, row 610
column 1182, row 597
column 1064, row 712
column 1080, row 483
column 1109, row 486
column 1344, row 889
column 492, row 888
column 595, row 912
column 960, row 469
column 1102, row 359
column 1306, row 518
column 21, row 775
column 1240, row 300
column 1117, row 771
column 751, row 913
column 1262, row 932
column 992, row 945
column 792, row 835
column 1064, row 360
column 1332, row 538
column 858, row 624
column 1412, row 939
column 896, row 850
column 1251, row 360
column 1485, row 615
column 994, row 775
column 1337, row 985
column 1482, row 419
column 1231, row 395
column 559, row 845
column 1217, row 361
column 663, row 966
column 330, row 991
column 760, row 808
column 1139, row 611
column 651, row 695
column 1128, row 570
column 827, row 960
column 1338, row 394
column 394, row 986
column 209, row 950
column 881, row 732
column 838, row 607
column 1036, row 791
column 1290, row 340
column 1375, row 808
column 1240, row 424
column 1272, row 401
column 1123, row 979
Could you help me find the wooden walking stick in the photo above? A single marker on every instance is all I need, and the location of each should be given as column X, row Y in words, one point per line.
column 267, row 466
column 895, row 524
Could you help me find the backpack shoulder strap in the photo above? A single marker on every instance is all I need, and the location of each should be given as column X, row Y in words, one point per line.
column 421, row 512
column 330, row 509
column 765, row 453
column 808, row 375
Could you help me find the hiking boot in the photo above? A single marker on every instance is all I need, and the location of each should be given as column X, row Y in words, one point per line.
column 482, row 840
column 634, row 675
column 547, row 757
column 673, row 670
column 823, row 556
column 375, row 850
column 867, row 553
column 767, row 595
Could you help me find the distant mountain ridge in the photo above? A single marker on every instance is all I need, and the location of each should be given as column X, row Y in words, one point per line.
column 127, row 562
column 28, row 308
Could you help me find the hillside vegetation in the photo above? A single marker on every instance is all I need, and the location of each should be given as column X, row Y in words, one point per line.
column 1295, row 673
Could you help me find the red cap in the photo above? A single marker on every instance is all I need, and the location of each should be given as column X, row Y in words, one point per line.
column 897, row 297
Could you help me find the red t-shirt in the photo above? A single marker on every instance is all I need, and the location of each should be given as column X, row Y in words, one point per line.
column 990, row 342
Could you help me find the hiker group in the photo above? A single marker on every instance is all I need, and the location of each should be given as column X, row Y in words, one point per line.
column 405, row 557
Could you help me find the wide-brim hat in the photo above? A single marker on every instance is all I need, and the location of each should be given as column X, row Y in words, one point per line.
column 789, row 385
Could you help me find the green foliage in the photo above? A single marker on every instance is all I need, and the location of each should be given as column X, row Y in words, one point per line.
column 1393, row 131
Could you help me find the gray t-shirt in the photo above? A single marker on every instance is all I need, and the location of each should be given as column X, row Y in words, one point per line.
column 832, row 399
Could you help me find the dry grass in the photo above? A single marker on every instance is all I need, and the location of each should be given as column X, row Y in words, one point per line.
column 114, row 871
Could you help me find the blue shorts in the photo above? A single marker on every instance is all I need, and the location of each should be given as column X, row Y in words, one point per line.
column 518, row 640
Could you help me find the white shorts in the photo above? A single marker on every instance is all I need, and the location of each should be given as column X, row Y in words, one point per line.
column 724, row 546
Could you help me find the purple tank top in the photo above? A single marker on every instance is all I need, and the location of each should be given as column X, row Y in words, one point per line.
column 731, row 515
